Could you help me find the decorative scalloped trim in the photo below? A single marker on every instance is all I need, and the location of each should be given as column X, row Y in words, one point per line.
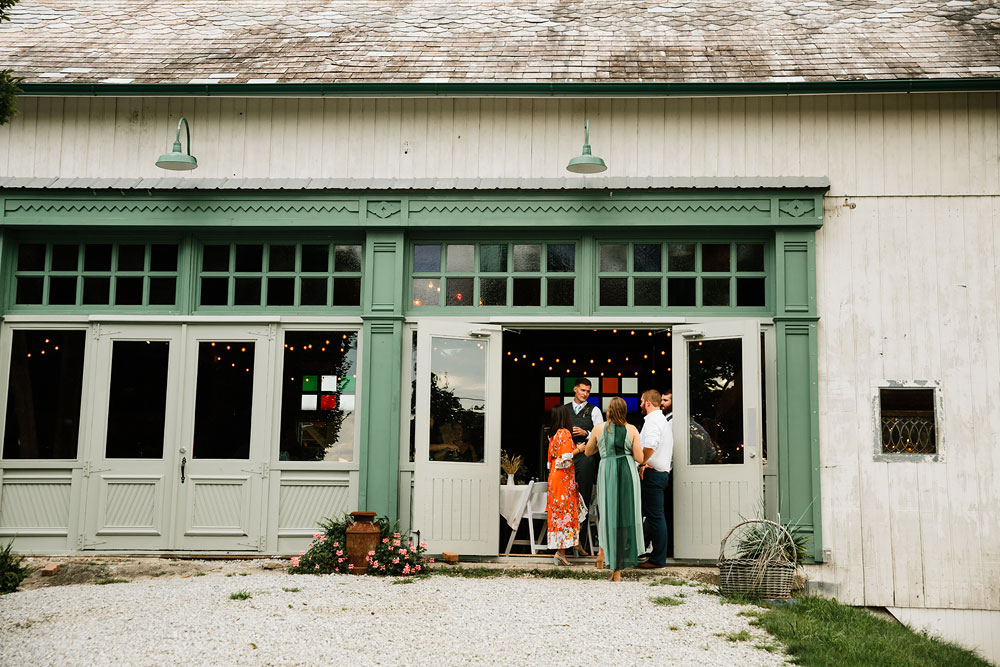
column 733, row 206
column 41, row 206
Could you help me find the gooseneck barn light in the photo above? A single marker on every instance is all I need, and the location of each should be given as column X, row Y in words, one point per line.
column 586, row 163
column 175, row 160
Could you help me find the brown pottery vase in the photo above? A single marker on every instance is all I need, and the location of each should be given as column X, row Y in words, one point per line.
column 362, row 537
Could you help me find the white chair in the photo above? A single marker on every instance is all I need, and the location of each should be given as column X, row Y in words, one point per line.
column 534, row 508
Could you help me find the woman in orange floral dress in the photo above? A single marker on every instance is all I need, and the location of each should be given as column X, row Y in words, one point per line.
column 562, row 505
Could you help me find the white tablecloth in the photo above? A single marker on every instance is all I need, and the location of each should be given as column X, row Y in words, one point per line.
column 514, row 497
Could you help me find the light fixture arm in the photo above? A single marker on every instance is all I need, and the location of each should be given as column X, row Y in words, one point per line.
column 586, row 162
column 177, row 141
column 586, row 137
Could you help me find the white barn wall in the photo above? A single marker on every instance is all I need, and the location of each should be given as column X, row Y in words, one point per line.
column 908, row 279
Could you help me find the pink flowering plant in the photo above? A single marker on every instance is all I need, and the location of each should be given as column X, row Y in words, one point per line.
column 397, row 556
column 327, row 553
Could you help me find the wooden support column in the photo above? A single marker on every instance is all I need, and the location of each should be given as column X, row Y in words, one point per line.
column 378, row 487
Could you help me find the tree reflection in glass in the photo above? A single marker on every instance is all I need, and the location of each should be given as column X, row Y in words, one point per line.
column 458, row 400
column 716, row 397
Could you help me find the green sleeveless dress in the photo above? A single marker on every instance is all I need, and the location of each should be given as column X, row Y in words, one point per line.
column 619, row 525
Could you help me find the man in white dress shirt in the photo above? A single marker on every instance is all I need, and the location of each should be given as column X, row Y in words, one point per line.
column 657, row 442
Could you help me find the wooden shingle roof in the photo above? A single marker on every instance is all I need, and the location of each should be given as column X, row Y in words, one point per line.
column 493, row 41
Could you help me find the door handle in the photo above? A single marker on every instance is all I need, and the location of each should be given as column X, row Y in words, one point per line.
column 183, row 463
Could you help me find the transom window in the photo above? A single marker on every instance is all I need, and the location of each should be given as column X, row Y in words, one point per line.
column 494, row 274
column 279, row 274
column 682, row 273
column 101, row 274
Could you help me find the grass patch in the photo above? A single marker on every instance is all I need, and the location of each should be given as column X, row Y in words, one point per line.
column 669, row 581
column 741, row 636
column 105, row 582
column 244, row 574
column 770, row 648
column 535, row 573
column 402, row 581
column 817, row 631
column 240, row 595
column 291, row 590
column 230, row 574
column 199, row 574
column 666, row 601
column 708, row 591
column 674, row 627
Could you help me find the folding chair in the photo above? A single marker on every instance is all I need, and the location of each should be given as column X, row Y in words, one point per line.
column 534, row 508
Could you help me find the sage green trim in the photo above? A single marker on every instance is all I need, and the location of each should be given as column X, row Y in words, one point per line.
column 505, row 89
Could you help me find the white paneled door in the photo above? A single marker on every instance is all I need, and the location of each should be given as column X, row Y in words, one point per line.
column 457, row 437
column 717, row 465
column 222, row 454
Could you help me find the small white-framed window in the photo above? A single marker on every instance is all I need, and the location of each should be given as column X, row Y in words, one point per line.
column 908, row 421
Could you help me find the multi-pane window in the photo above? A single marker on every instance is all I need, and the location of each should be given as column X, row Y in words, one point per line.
column 279, row 274
column 96, row 274
column 494, row 274
column 681, row 274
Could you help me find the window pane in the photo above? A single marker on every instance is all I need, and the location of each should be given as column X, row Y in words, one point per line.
column 347, row 258
column 128, row 291
column 314, row 292
column 614, row 291
column 316, row 258
column 29, row 290
column 131, row 257
column 647, row 292
column 280, row 291
column 162, row 291
column 318, row 396
column 163, row 257
column 281, row 258
column 66, row 257
column 908, row 422
column 715, row 291
column 461, row 258
column 749, row 291
column 527, row 291
column 215, row 258
column 493, row 291
column 97, row 257
column 223, row 400
column 96, row 290
column 714, row 257
column 427, row 258
column 559, row 292
column 614, row 257
column 646, row 258
column 426, row 292
column 562, row 257
column 458, row 399
column 214, row 291
column 249, row 258
column 716, row 399
column 247, row 292
column 43, row 394
column 527, row 258
column 680, row 257
column 460, row 292
column 31, row 257
column 749, row 257
column 62, row 291
column 137, row 399
column 347, row 292
column 680, row 291
column 493, row 258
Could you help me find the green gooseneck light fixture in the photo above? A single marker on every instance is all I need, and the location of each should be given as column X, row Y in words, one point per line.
column 175, row 160
column 586, row 163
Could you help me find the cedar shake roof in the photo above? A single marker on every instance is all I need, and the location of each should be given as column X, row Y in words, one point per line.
column 492, row 41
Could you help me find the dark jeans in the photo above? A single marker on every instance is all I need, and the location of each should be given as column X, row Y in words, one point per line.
column 654, row 501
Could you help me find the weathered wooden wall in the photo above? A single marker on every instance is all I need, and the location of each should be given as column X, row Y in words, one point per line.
column 908, row 278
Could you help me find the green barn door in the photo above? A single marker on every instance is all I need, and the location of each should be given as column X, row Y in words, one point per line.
column 222, row 458
column 131, row 470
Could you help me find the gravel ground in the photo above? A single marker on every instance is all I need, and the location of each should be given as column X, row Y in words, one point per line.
column 340, row 618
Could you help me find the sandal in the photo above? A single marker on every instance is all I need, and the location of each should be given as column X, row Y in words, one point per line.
column 561, row 561
column 599, row 564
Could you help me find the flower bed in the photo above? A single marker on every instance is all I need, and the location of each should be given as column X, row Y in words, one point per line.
column 394, row 555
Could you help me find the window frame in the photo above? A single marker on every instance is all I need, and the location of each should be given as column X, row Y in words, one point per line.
column 939, row 422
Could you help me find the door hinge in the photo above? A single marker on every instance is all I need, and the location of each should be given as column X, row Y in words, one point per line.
column 258, row 545
column 263, row 470
column 82, row 543
column 269, row 333
column 88, row 469
column 100, row 330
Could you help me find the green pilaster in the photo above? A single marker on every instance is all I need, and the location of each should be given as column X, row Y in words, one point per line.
column 798, row 398
column 382, row 303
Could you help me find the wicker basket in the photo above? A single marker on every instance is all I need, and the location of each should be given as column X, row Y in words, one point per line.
column 768, row 578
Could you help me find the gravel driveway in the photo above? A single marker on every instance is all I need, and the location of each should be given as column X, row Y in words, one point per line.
column 360, row 620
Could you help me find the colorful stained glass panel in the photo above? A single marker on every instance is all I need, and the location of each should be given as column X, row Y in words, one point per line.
column 310, row 383
column 328, row 402
column 347, row 403
column 609, row 385
column 632, row 402
column 552, row 402
column 630, row 386
column 309, row 402
column 328, row 383
column 552, row 385
column 348, row 385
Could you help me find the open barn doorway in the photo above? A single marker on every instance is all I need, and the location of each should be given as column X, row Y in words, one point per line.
column 540, row 368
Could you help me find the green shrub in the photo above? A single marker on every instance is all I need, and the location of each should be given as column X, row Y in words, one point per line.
column 12, row 570
column 327, row 553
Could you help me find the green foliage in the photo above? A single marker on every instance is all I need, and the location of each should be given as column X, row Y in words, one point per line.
column 394, row 556
column 240, row 595
column 12, row 570
column 669, row 581
column 8, row 82
column 666, row 601
column 105, row 582
column 291, row 590
column 327, row 553
column 764, row 541
column 741, row 636
column 817, row 631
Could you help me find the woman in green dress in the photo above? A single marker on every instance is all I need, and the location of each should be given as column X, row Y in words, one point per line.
column 619, row 527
